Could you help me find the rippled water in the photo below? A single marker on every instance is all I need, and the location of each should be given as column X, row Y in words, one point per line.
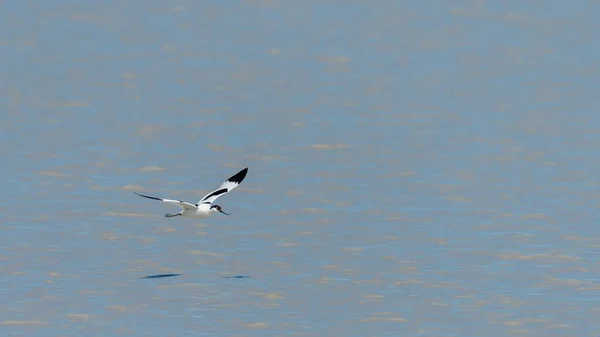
column 416, row 169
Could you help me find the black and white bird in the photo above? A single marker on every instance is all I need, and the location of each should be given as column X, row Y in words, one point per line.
column 204, row 207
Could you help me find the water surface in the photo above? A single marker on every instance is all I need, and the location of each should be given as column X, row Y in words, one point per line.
column 416, row 169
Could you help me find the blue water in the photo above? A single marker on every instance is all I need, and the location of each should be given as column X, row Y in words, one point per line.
column 416, row 168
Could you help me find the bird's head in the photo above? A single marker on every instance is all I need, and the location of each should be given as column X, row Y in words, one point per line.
column 217, row 208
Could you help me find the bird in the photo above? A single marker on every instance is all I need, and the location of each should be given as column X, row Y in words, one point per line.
column 204, row 207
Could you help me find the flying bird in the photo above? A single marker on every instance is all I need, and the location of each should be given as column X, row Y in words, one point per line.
column 204, row 207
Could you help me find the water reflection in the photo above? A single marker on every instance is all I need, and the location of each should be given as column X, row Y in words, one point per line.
column 160, row 276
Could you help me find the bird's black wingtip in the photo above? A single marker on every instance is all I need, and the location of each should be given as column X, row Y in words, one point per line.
column 149, row 197
column 238, row 177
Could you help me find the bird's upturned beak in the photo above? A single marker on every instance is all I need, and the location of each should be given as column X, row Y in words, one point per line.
column 223, row 212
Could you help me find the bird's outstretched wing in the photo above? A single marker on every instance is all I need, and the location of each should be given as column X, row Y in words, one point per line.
column 225, row 187
column 183, row 204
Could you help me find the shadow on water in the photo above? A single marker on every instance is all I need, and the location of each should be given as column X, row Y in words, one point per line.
column 173, row 275
column 159, row 276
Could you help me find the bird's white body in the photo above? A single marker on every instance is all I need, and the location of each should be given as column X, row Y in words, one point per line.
column 200, row 212
column 204, row 207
